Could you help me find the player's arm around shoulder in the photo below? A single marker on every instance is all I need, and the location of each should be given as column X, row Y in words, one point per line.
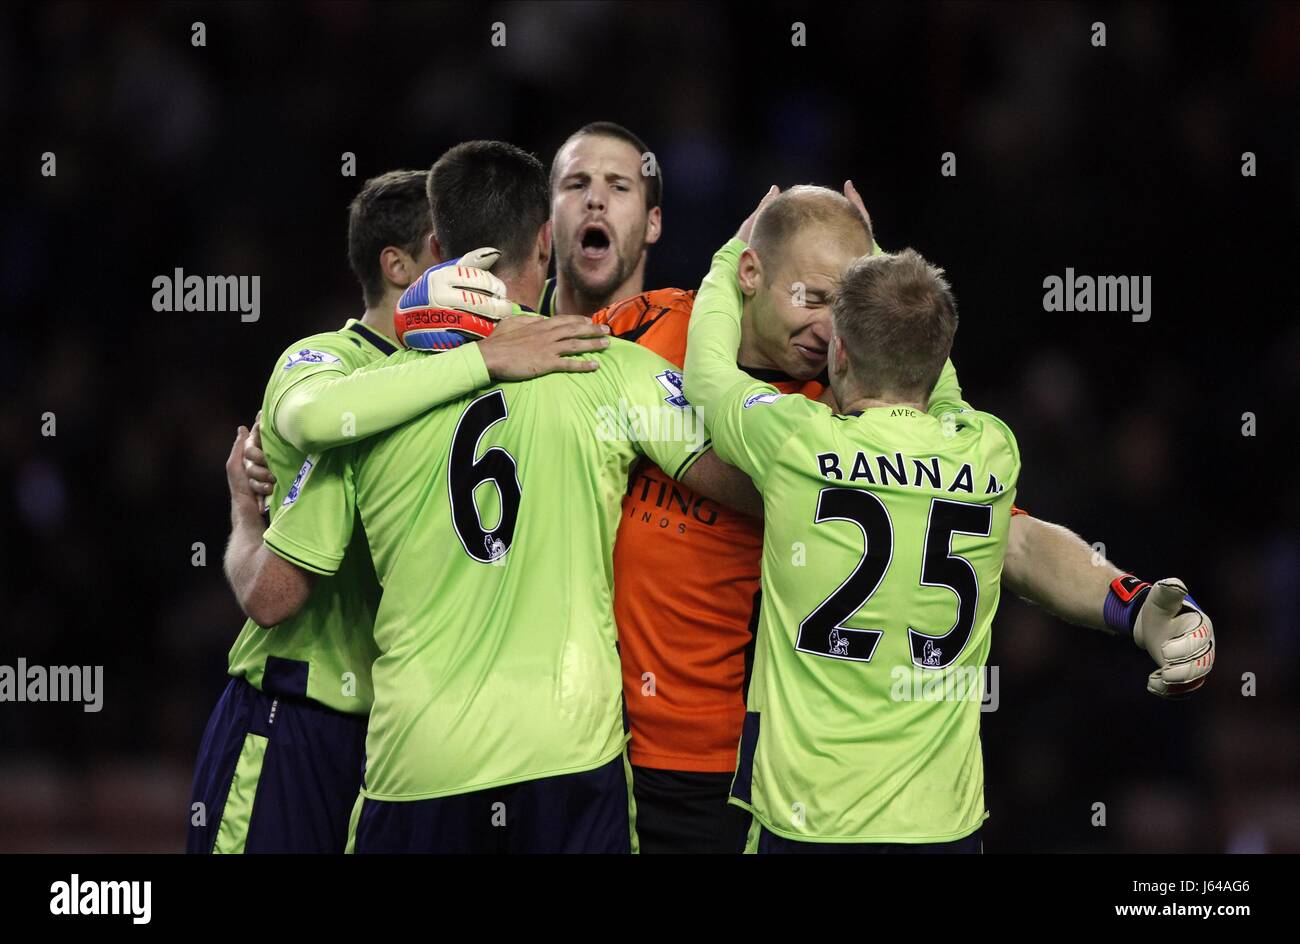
column 268, row 588
column 744, row 434
column 729, row 399
column 308, row 537
column 294, row 403
column 714, row 381
column 752, row 444
column 262, row 583
column 639, row 400
column 323, row 410
column 642, row 392
column 458, row 298
column 525, row 347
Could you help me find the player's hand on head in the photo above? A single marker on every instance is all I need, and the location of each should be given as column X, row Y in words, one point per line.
column 465, row 284
column 1178, row 636
column 747, row 227
column 527, row 346
column 452, row 302
column 484, row 258
column 851, row 193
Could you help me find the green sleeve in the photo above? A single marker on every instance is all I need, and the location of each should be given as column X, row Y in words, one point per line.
column 749, row 420
column 713, row 381
column 946, row 395
column 313, row 525
column 752, row 433
column 326, row 409
column 655, row 418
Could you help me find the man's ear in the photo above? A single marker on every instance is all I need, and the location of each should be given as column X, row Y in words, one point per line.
column 400, row 268
column 397, row 266
column 838, row 359
column 654, row 226
column 750, row 272
column 435, row 250
column 544, row 245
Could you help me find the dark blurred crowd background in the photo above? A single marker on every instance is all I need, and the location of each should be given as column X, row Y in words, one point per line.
column 226, row 159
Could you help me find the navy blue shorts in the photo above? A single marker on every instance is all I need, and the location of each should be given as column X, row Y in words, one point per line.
column 771, row 844
column 584, row 812
column 275, row 773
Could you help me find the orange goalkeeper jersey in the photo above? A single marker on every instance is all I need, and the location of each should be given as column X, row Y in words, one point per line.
column 686, row 579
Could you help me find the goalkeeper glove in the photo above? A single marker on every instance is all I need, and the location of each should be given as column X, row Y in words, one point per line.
column 452, row 303
column 1167, row 623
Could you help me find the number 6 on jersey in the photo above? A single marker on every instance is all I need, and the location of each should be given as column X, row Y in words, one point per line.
column 466, row 471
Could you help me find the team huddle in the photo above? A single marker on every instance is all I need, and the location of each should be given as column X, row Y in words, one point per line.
column 560, row 564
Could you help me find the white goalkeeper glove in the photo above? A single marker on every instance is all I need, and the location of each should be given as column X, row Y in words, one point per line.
column 1175, row 632
column 452, row 303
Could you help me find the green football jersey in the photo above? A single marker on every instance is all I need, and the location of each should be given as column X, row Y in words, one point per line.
column 884, row 536
column 326, row 650
column 491, row 522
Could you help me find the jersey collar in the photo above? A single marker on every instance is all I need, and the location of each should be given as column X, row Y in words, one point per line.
column 546, row 304
column 377, row 340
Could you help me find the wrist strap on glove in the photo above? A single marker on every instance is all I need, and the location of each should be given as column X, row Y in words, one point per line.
column 1123, row 602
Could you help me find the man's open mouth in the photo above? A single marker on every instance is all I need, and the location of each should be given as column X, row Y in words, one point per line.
column 594, row 241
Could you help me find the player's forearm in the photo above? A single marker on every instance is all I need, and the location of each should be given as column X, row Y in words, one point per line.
column 1052, row 567
column 240, row 563
column 327, row 410
column 712, row 477
column 268, row 589
column 714, row 334
column 278, row 589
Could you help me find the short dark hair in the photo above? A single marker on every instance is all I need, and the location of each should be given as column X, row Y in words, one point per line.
column 801, row 206
column 654, row 183
column 896, row 316
column 488, row 193
column 390, row 210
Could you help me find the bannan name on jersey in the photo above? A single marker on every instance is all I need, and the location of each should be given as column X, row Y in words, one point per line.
column 907, row 472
